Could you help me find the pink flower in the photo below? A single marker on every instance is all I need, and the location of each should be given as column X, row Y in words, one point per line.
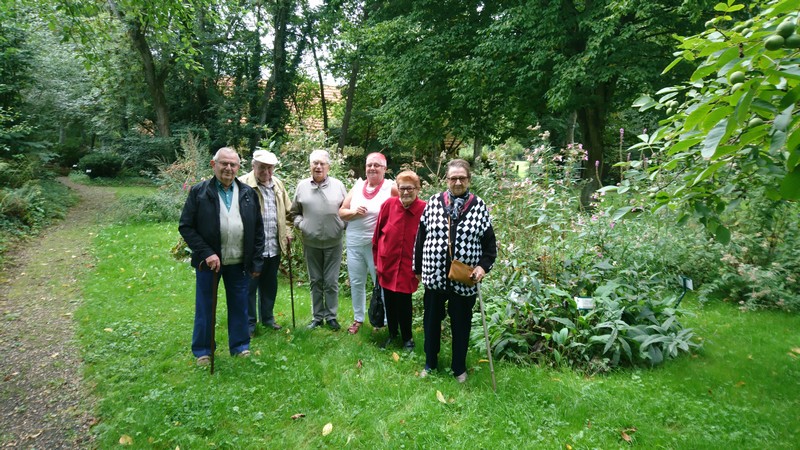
column 611, row 225
column 597, row 164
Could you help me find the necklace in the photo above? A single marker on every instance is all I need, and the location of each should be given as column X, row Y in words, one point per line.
column 371, row 195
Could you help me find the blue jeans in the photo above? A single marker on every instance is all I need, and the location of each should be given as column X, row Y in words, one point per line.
column 266, row 286
column 236, row 282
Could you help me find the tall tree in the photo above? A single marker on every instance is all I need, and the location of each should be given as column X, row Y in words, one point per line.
column 584, row 57
column 290, row 38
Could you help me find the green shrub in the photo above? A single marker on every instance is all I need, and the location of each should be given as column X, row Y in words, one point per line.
column 552, row 248
column 101, row 164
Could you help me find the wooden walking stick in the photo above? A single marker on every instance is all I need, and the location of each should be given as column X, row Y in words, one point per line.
column 214, row 317
column 291, row 280
column 486, row 335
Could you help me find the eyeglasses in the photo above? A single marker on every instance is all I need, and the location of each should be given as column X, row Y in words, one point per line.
column 407, row 189
column 459, row 179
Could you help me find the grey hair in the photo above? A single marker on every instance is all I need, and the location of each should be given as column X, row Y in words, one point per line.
column 459, row 163
column 320, row 154
column 226, row 150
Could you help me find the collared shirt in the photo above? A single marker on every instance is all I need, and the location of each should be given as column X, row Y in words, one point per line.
column 225, row 194
column 270, row 216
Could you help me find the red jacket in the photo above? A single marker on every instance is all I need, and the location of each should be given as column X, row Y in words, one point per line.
column 393, row 245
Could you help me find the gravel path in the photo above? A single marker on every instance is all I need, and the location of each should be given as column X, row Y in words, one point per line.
column 44, row 403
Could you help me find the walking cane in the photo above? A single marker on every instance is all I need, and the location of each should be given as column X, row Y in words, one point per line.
column 214, row 317
column 486, row 335
column 291, row 281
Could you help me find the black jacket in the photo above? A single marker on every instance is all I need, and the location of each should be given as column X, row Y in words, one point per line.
column 199, row 224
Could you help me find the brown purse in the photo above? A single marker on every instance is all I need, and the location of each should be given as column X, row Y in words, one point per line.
column 461, row 272
column 458, row 270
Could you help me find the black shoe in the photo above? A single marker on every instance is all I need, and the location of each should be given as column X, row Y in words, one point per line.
column 314, row 324
column 388, row 341
column 334, row 324
column 409, row 345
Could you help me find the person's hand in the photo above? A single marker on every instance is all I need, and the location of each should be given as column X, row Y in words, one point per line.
column 255, row 275
column 477, row 274
column 214, row 263
column 419, row 277
column 360, row 211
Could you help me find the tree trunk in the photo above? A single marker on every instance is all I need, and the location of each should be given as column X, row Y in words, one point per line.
column 348, row 106
column 153, row 77
column 322, row 100
column 573, row 116
column 592, row 123
column 274, row 106
column 477, row 147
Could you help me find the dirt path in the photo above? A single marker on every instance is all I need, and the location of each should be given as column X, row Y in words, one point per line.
column 43, row 401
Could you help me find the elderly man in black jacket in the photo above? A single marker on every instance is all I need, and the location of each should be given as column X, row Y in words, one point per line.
column 222, row 225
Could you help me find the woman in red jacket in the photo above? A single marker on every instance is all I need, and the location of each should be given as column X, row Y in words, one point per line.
column 393, row 251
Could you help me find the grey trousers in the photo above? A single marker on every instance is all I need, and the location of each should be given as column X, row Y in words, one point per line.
column 323, row 273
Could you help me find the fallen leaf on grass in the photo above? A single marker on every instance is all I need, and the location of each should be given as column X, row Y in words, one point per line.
column 359, row 364
column 627, row 437
column 796, row 350
column 740, row 384
column 440, row 397
column 395, row 356
column 54, row 355
column 108, row 330
column 297, row 416
column 125, row 440
column 483, row 361
column 567, row 446
column 326, row 430
column 792, row 355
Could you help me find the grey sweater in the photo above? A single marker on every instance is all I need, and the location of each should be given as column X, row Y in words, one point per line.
column 315, row 212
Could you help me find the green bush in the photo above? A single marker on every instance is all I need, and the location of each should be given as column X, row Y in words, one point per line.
column 101, row 164
column 553, row 248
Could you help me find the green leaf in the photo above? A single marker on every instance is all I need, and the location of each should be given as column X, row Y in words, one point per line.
column 790, row 186
column 793, row 146
column 713, row 138
column 620, row 213
column 684, row 145
column 723, row 235
column 790, row 98
column 672, row 64
column 702, row 72
column 783, row 120
column 696, row 116
column 709, row 171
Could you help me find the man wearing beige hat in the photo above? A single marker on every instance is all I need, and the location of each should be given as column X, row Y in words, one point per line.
column 274, row 204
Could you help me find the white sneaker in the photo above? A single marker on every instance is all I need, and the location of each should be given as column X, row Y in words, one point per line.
column 462, row 378
column 204, row 361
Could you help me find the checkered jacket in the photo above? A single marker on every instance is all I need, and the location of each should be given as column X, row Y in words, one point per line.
column 472, row 235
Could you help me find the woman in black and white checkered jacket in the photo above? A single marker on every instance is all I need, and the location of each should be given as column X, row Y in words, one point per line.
column 455, row 225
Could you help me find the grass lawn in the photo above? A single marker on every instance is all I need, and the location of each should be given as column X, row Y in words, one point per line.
column 135, row 326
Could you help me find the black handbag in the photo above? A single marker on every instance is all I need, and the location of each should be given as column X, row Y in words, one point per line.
column 377, row 311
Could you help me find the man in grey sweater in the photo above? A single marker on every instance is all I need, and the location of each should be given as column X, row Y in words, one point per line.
column 315, row 212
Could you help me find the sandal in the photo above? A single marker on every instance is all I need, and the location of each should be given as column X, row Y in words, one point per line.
column 204, row 360
column 354, row 327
